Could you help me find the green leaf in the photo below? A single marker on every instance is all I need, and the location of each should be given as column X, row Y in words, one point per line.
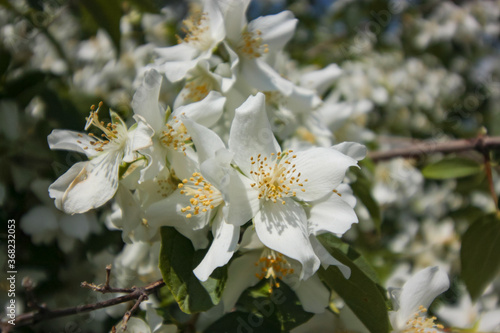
column 362, row 190
column 479, row 254
column 281, row 305
column 177, row 261
column 264, row 311
column 360, row 292
column 5, row 59
column 107, row 15
column 240, row 321
column 454, row 167
column 148, row 6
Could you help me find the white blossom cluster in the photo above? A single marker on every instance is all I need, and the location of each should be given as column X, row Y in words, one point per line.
column 248, row 154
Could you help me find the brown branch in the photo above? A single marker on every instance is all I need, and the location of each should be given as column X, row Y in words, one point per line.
column 136, row 293
column 417, row 150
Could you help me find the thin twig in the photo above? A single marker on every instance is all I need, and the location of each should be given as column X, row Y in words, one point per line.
column 38, row 316
column 425, row 148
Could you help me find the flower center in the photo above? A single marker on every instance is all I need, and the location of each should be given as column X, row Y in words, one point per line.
column 251, row 45
column 197, row 31
column 197, row 89
column 420, row 324
column 273, row 266
column 112, row 134
column 175, row 135
column 275, row 177
column 204, row 196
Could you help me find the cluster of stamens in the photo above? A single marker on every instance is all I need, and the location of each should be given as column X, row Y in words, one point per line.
column 109, row 131
column 251, row 44
column 204, row 196
column 420, row 324
column 276, row 176
column 195, row 29
column 175, row 136
column 273, row 266
column 197, row 90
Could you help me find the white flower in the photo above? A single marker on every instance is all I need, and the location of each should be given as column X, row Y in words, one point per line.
column 204, row 31
column 168, row 133
column 258, row 262
column 273, row 186
column 198, row 202
column 256, row 44
column 90, row 184
column 412, row 301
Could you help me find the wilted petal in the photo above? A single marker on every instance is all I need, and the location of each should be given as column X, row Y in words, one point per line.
column 93, row 186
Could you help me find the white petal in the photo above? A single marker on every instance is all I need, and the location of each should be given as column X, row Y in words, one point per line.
column 223, row 246
column 313, row 295
column 180, row 52
column 234, row 18
column 250, row 241
column 216, row 21
column 167, row 212
column 205, row 112
column 217, row 169
column 420, row 290
column 490, row 321
column 251, row 133
column 145, row 101
column 241, row 275
column 352, row 149
column 58, row 188
column 258, row 74
column 324, row 170
column 322, row 79
column 283, row 229
column 276, row 30
column 134, row 325
column 206, row 141
column 242, row 200
column 331, row 214
column 93, row 186
column 142, row 134
column 70, row 140
column 184, row 165
column 157, row 157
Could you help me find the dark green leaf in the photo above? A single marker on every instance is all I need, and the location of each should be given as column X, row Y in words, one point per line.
column 363, row 296
column 362, row 190
column 335, row 244
column 145, row 6
column 479, row 254
column 107, row 15
column 5, row 59
column 177, row 261
column 240, row 321
column 454, row 167
column 281, row 305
